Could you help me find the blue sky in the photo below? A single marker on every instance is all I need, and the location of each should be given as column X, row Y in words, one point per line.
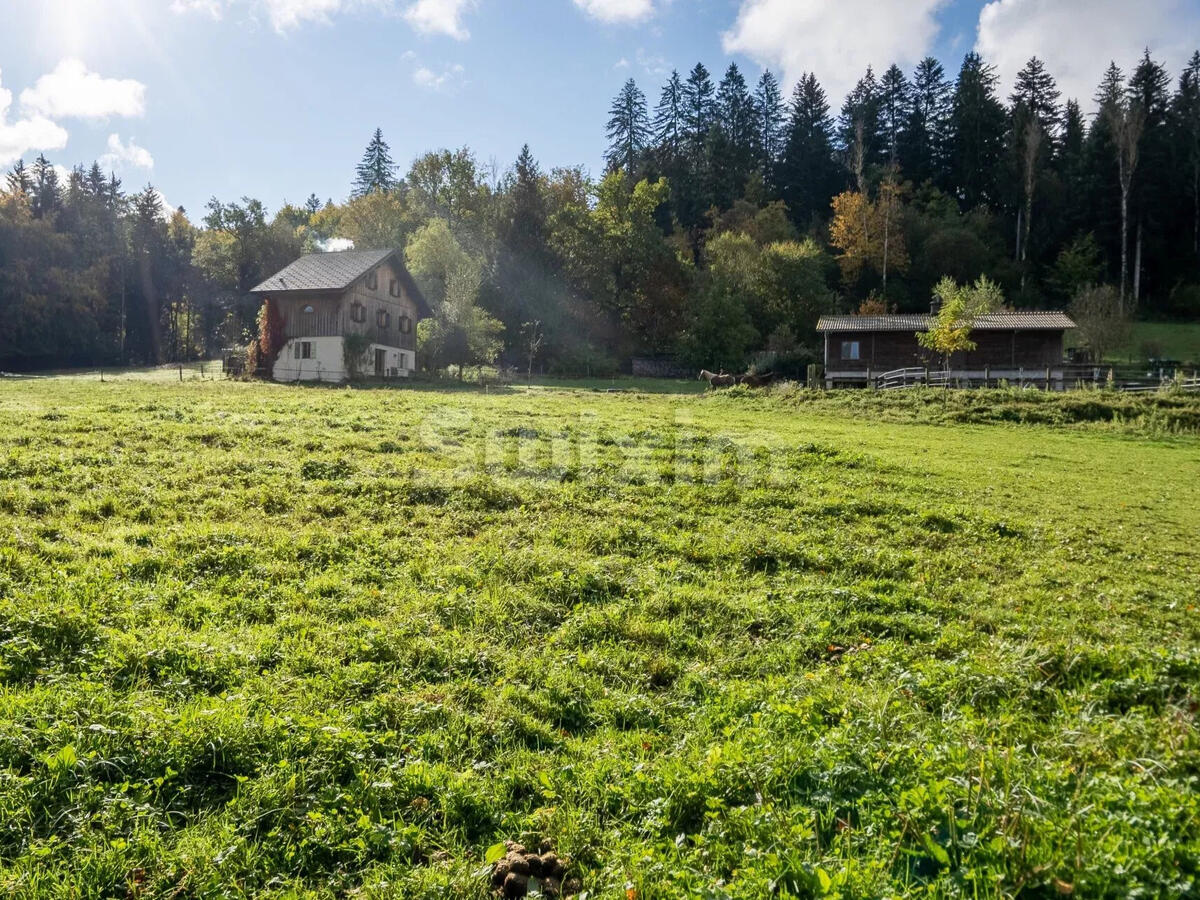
column 277, row 98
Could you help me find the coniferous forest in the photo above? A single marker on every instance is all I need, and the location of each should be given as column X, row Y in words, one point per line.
column 731, row 215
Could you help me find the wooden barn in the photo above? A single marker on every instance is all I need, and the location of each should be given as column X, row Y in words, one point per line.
column 1015, row 346
column 323, row 298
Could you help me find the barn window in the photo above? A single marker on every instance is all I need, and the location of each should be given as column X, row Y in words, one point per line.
column 851, row 350
column 308, row 310
column 395, row 288
column 358, row 312
column 373, row 281
column 303, row 350
column 405, row 325
column 383, row 319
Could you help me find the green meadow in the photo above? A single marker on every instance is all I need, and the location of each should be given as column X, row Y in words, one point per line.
column 267, row 641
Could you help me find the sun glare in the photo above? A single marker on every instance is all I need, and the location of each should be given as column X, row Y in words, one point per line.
column 78, row 26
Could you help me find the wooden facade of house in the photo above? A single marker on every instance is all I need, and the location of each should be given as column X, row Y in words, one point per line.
column 324, row 298
column 1009, row 346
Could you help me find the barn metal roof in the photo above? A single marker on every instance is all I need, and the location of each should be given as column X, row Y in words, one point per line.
column 1021, row 320
column 323, row 271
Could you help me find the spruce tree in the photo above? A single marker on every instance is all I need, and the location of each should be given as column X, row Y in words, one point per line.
column 526, row 230
column 923, row 143
column 860, row 130
column 628, row 129
column 808, row 174
column 1037, row 94
column 1185, row 124
column 699, row 109
column 1150, row 92
column 20, row 183
column 772, row 117
column 46, row 192
column 669, row 122
column 977, row 127
column 732, row 142
column 376, row 172
column 895, row 101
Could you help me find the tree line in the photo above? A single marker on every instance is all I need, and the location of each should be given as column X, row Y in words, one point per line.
column 727, row 221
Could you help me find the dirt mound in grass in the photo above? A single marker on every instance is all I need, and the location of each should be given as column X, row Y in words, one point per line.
column 522, row 871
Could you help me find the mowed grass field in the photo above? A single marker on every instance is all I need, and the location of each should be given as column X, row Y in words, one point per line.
column 282, row 642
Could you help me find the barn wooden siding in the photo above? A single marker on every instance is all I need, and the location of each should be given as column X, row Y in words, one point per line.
column 331, row 316
column 881, row 351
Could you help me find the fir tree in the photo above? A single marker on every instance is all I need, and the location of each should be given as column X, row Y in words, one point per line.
column 669, row 122
column 808, row 174
column 732, row 142
column 46, row 192
column 376, row 172
column 526, row 229
column 1036, row 93
column 699, row 109
column 628, row 129
column 772, row 117
column 860, row 130
column 895, row 100
column 20, row 183
column 977, row 126
column 1185, row 121
column 1150, row 92
column 923, row 143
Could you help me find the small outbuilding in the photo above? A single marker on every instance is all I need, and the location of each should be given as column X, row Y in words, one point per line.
column 1016, row 346
column 324, row 298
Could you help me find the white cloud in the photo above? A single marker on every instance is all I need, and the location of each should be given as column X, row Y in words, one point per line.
column 426, row 16
column 439, row 17
column 285, row 14
column 836, row 41
column 167, row 208
column 25, row 135
column 1076, row 39
column 121, row 156
column 425, row 77
column 71, row 91
column 614, row 12
column 213, row 8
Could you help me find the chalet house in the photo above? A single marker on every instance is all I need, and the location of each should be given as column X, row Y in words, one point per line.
column 324, row 297
column 1015, row 346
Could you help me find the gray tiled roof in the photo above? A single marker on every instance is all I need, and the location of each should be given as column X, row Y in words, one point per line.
column 1001, row 321
column 323, row 271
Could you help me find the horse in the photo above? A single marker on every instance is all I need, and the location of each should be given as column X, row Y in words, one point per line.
column 717, row 381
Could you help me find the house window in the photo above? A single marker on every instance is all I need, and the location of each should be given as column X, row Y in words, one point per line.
column 373, row 281
column 383, row 319
column 405, row 325
column 303, row 349
column 395, row 288
column 358, row 312
column 851, row 350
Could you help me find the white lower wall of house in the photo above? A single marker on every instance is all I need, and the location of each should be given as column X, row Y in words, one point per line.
column 327, row 361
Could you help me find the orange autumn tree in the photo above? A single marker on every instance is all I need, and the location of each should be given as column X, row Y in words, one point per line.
column 868, row 233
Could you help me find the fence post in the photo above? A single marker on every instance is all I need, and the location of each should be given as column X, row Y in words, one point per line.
column 870, row 379
column 987, row 377
column 927, row 376
column 1047, row 379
